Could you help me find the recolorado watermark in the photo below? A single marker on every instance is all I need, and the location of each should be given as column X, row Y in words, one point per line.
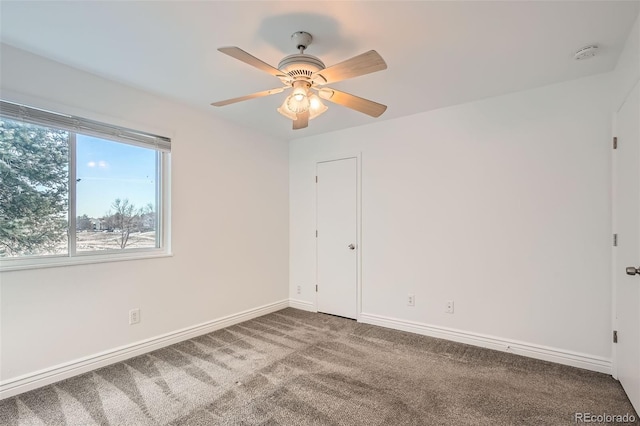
column 603, row 418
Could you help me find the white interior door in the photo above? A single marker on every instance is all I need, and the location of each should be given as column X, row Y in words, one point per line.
column 627, row 254
column 336, row 239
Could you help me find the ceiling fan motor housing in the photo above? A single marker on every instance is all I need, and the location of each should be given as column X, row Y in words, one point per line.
column 300, row 66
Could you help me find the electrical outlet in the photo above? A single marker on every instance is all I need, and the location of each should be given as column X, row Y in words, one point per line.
column 134, row 316
column 449, row 307
column 299, row 290
column 411, row 300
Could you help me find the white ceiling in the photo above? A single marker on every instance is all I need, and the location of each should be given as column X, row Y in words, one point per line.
column 438, row 53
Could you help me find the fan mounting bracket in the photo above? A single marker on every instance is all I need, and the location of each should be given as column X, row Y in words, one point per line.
column 301, row 39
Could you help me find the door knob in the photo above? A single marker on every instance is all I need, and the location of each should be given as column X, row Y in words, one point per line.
column 632, row 270
column 352, row 247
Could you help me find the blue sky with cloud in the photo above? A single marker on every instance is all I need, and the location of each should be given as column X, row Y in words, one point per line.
column 108, row 170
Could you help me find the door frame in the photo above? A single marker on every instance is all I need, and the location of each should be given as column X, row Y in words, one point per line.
column 614, row 230
column 358, row 242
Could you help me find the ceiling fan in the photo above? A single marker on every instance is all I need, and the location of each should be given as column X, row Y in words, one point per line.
column 305, row 75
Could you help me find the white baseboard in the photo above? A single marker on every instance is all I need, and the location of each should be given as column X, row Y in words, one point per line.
column 50, row 375
column 54, row 374
column 560, row 356
column 300, row 304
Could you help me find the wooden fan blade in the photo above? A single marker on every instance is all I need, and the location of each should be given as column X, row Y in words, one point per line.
column 302, row 120
column 241, row 55
column 365, row 106
column 251, row 96
column 365, row 63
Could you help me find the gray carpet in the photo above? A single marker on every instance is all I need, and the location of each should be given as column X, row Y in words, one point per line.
column 298, row 368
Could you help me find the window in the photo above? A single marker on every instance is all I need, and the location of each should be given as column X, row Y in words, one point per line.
column 73, row 189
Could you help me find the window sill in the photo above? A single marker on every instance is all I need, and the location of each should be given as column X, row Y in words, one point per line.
column 55, row 262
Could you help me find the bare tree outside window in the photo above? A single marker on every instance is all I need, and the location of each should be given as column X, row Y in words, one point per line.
column 126, row 218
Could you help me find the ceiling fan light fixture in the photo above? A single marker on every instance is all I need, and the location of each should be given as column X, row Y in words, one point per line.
column 298, row 101
column 284, row 110
column 297, row 104
column 316, row 107
column 291, row 107
column 299, row 91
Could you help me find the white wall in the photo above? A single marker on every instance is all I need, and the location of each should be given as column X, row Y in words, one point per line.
column 502, row 205
column 229, row 220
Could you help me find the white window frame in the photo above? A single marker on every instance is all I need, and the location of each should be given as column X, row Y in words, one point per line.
column 76, row 125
